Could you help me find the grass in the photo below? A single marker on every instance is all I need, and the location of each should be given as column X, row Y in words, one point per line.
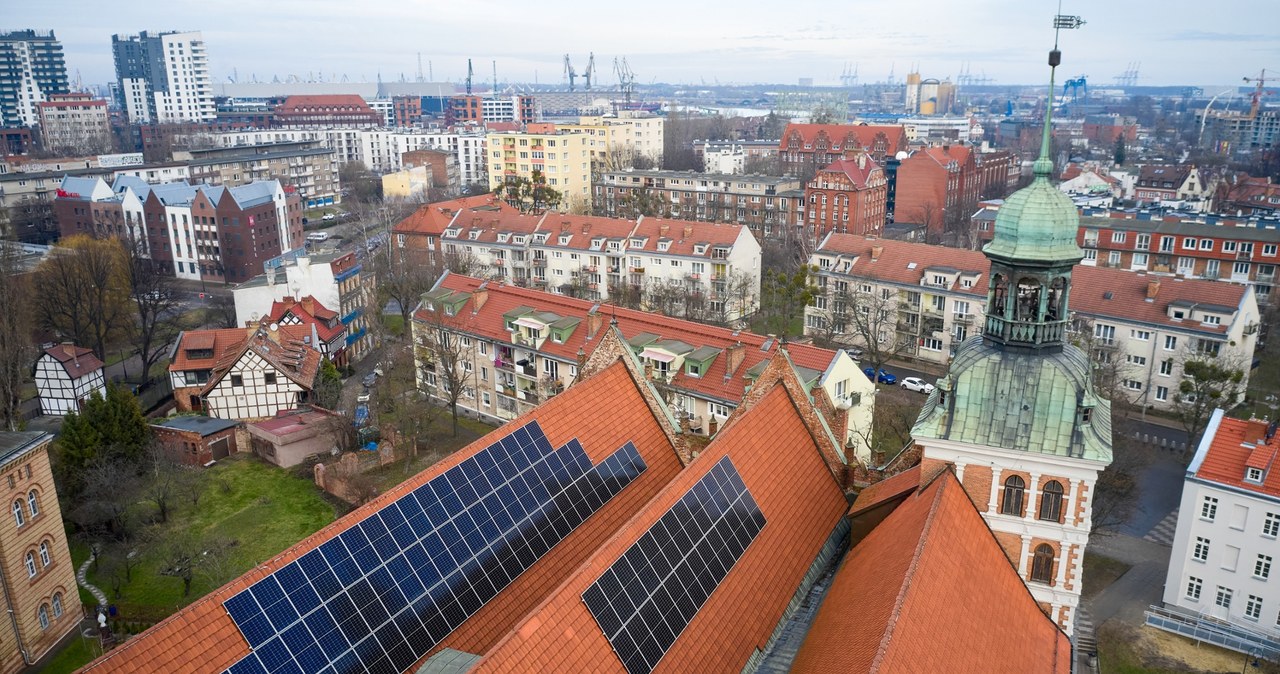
column 259, row 507
column 394, row 324
column 1100, row 572
column 77, row 653
column 1263, row 381
column 1117, row 653
column 1127, row 649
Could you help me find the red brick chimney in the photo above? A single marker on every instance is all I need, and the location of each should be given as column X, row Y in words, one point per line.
column 688, row 231
column 876, row 252
column 1153, row 288
column 735, row 355
column 594, row 320
column 1255, row 431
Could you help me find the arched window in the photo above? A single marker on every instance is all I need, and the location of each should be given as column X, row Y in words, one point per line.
column 57, row 605
column 18, row 517
column 1051, row 501
column 44, row 553
column 44, row 616
column 33, row 503
column 31, row 565
column 1011, row 504
column 1042, row 564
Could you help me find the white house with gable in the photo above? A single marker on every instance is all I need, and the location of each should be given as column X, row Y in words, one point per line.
column 66, row 376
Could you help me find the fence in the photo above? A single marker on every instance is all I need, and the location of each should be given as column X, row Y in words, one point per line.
column 1208, row 630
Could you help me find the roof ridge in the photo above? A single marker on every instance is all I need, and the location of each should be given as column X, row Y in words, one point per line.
column 906, row 577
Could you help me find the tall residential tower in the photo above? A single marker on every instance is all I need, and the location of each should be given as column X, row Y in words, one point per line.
column 31, row 68
column 163, row 78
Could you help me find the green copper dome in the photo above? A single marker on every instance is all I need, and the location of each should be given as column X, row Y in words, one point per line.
column 1038, row 223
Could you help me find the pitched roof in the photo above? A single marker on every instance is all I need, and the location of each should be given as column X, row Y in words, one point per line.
column 484, row 226
column 309, row 312
column 886, row 489
column 203, row 636
column 344, row 102
column 686, row 235
column 197, row 423
column 431, row 219
column 930, row 589
column 905, row 262
column 1229, row 446
column 802, row 506
column 863, row 135
column 285, row 348
column 859, row 171
column 216, row 341
column 719, row 382
column 76, row 360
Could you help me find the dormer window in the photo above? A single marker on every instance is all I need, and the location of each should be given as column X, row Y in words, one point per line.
column 1253, row 475
column 663, row 246
column 693, row 369
column 564, row 239
column 502, row 238
column 699, row 250
column 637, row 243
column 1086, row 415
column 473, row 235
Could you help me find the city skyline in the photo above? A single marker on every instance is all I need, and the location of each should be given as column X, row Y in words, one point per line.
column 705, row 44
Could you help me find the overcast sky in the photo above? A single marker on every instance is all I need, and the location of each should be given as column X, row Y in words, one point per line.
column 1176, row 41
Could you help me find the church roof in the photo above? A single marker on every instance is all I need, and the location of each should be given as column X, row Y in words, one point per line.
column 1037, row 224
column 1019, row 400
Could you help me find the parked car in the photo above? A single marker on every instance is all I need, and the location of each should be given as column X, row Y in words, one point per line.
column 917, row 384
column 328, row 216
column 370, row 379
column 884, row 378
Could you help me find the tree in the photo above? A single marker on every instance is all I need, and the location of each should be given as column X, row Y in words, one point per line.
column 868, row 318
column 166, row 481
column 783, row 299
column 222, row 311
column 890, row 428
column 400, row 403
column 109, row 428
column 440, row 353
column 16, row 352
column 359, row 183
column 109, row 488
column 155, row 302
column 1116, row 491
column 1118, row 154
column 639, row 201
column 1208, row 383
column 179, row 558
column 404, row 283
column 529, row 195
column 85, row 292
column 328, row 388
column 31, row 220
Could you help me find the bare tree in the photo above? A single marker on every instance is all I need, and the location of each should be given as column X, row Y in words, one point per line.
column 85, row 292
column 166, row 481
column 404, row 283
column 222, row 311
column 155, row 303
column 1117, row 488
column 868, row 318
column 440, row 353
column 890, row 428
column 1110, row 367
column 16, row 352
column 411, row 415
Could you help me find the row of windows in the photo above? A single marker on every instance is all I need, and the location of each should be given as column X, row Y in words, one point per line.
column 45, row 561
column 55, row 605
column 1223, row 596
column 32, row 504
column 1209, row 513
column 1050, row 507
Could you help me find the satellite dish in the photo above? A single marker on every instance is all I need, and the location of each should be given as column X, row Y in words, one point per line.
column 254, row 316
column 274, row 327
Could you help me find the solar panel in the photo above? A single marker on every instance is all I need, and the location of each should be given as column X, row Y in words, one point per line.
column 381, row 594
column 648, row 596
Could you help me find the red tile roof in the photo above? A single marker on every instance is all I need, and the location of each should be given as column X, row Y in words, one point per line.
column 717, row 383
column 325, row 102
column 203, row 638
column 284, row 348
column 76, row 360
column 802, row 505
column 886, row 489
column 685, row 235
column 905, row 263
column 431, row 219
column 489, row 224
column 310, row 312
column 931, row 590
column 841, row 136
column 219, row 341
column 858, row 172
column 1228, row 454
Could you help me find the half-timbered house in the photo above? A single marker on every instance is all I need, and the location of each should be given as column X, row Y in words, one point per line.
column 66, row 375
column 270, row 372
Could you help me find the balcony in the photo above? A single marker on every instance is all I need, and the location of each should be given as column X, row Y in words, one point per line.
column 1244, row 255
column 694, row 276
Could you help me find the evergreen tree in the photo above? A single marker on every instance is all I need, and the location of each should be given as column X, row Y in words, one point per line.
column 111, row 429
column 1119, row 153
column 328, row 388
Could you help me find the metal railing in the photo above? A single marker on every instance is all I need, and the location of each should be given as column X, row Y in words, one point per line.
column 1211, row 630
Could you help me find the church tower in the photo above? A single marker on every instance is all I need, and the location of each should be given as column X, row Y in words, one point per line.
column 1017, row 414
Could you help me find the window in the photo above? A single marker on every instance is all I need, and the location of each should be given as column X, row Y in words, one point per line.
column 1206, row 244
column 1269, row 249
column 1253, row 475
column 1189, row 242
column 44, row 554
column 1051, row 501
column 719, row 411
column 1042, row 564
column 44, row 616
column 1262, row 567
column 18, row 517
column 1194, row 585
column 931, row 344
column 57, row 605
column 1166, row 367
column 1209, row 508
column 1141, row 335
column 31, row 565
column 1253, row 607
column 1133, row 384
column 1201, row 552
column 1271, row 525
column 237, row 380
column 1136, row 360
column 1224, row 597
column 1162, row 393
column 1011, row 504
column 1105, row 333
column 1117, row 237
column 1170, row 342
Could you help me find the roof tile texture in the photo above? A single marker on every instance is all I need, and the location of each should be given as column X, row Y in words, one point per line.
column 1229, row 455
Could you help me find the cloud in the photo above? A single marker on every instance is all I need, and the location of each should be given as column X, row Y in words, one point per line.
column 1209, row 36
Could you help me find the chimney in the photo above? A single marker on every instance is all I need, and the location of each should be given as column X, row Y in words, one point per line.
column 688, row 231
column 876, row 252
column 663, row 229
column 564, row 226
column 1255, row 431
column 586, row 227
column 1153, row 287
column 946, row 149
column 736, row 353
column 309, row 304
column 862, row 160
column 594, row 321
column 480, row 296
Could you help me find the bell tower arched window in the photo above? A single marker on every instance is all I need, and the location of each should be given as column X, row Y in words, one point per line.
column 1042, row 564
column 1051, row 501
column 1014, row 491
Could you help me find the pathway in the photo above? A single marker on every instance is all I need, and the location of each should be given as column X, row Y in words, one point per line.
column 93, row 590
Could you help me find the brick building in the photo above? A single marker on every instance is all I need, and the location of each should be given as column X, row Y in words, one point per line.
column 74, row 124
column 40, row 596
column 805, row 148
column 320, row 111
column 441, row 165
column 408, row 110
column 307, row 166
column 935, row 186
column 849, row 196
column 196, row 440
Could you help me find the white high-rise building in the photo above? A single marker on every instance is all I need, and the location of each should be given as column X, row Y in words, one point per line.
column 164, row 78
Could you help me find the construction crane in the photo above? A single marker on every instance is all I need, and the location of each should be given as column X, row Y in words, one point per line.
column 470, row 73
column 626, row 78
column 591, row 69
column 569, row 72
column 1258, row 93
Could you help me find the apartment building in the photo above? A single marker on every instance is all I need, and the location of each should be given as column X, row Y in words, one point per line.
column 1219, row 585
column 1239, row 254
column 517, row 347
column 929, row 299
column 74, row 123
column 849, row 196
column 163, row 78
column 306, row 166
column 1169, row 182
column 326, row 111
column 40, row 596
column 418, row 237
column 32, row 69
column 206, row 233
column 936, row 185
column 765, row 204
column 561, row 157
column 752, row 150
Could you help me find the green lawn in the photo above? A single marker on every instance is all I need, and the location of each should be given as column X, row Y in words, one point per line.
column 78, row 653
column 1100, row 572
column 394, row 324
column 259, row 507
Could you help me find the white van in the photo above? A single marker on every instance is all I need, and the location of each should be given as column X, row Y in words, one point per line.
column 318, row 236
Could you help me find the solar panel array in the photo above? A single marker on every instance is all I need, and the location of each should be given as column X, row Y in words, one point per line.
column 378, row 596
column 645, row 599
